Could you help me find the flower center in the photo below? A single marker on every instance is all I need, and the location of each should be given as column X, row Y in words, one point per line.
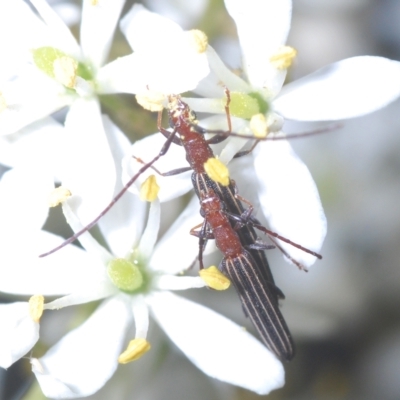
column 245, row 105
column 60, row 66
column 125, row 275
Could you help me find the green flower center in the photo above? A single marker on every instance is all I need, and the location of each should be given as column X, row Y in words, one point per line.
column 125, row 275
column 245, row 105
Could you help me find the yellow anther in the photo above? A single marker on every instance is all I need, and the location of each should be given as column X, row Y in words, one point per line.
column 136, row 348
column 151, row 101
column 64, row 69
column 3, row 102
column 283, row 59
column 214, row 278
column 217, row 171
column 149, row 189
column 36, row 307
column 94, row 2
column 198, row 40
column 259, row 126
column 58, row 196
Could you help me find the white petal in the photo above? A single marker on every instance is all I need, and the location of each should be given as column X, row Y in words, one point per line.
column 24, row 200
column 118, row 77
column 177, row 242
column 216, row 345
column 30, row 96
column 59, row 34
column 123, row 224
column 263, row 26
column 182, row 12
column 150, row 36
column 90, row 170
column 220, row 75
column 13, row 16
column 23, row 272
column 93, row 292
column 97, row 28
column 18, row 333
column 146, row 149
column 91, row 245
column 82, row 362
column 38, row 143
column 289, row 199
column 346, row 89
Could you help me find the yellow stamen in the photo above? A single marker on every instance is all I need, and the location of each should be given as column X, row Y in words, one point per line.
column 58, row 196
column 3, row 102
column 259, row 126
column 36, row 307
column 94, row 2
column 64, row 69
column 217, row 171
column 283, row 59
column 136, row 348
column 214, row 278
column 197, row 40
column 149, row 189
column 151, row 101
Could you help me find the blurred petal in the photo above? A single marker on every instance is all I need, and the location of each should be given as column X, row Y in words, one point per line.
column 216, row 345
column 289, row 199
column 146, row 149
column 58, row 31
column 178, row 242
column 30, row 96
column 14, row 15
column 97, row 28
column 83, row 361
column 90, row 173
column 263, row 26
column 18, row 333
column 346, row 89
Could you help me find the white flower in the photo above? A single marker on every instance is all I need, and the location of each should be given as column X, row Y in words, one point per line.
column 44, row 56
column 81, row 362
column 45, row 69
column 284, row 187
column 150, row 67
